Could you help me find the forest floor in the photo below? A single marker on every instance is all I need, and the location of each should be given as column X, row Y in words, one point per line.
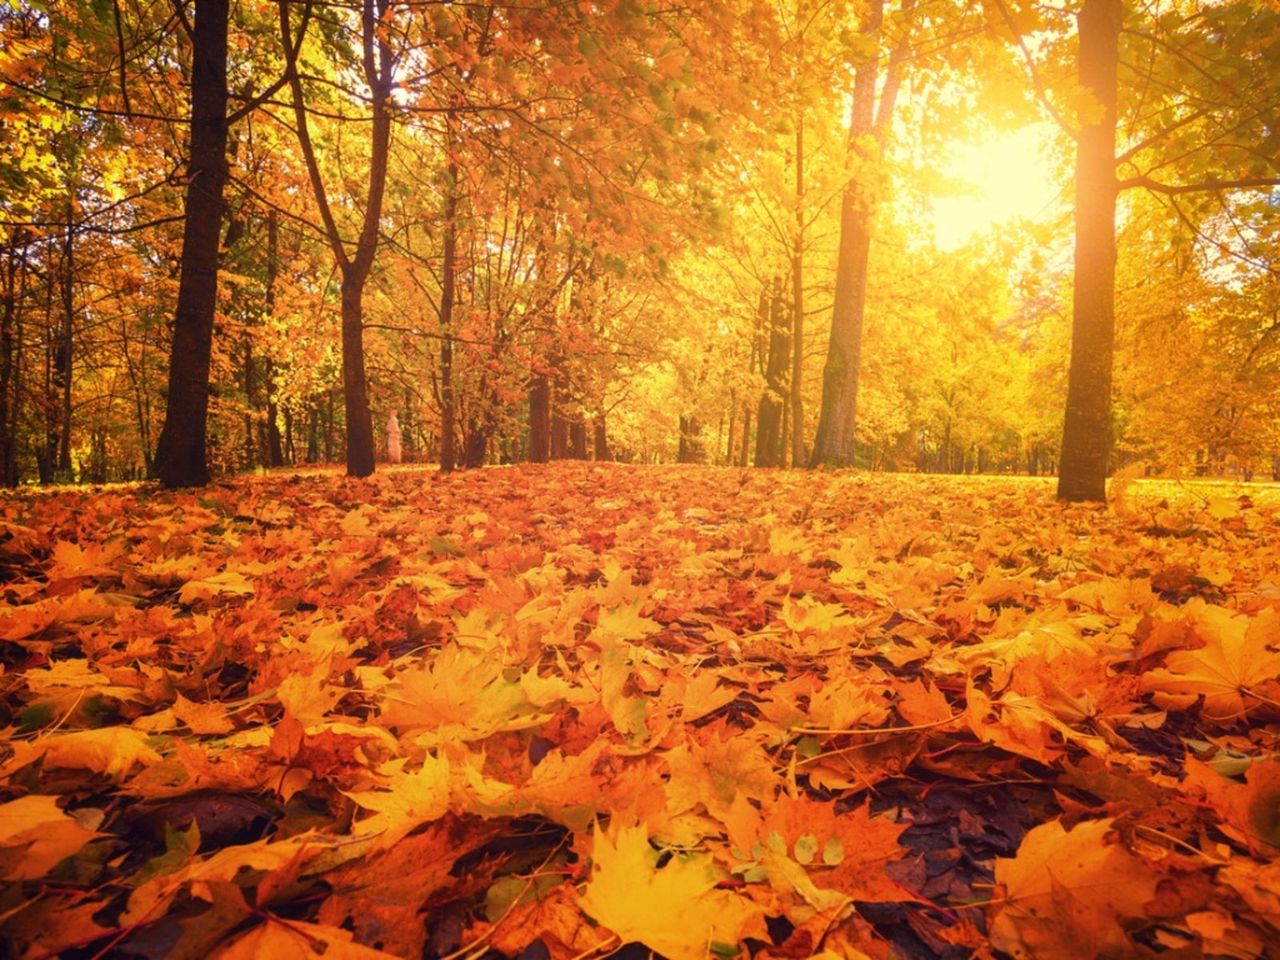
column 562, row 711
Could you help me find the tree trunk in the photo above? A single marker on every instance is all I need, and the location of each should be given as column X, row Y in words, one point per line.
column 449, row 269
column 690, row 446
column 835, row 442
column 1086, row 435
column 601, row 440
column 378, row 67
column 770, row 446
column 539, row 418
column 798, row 457
column 181, row 453
column 355, row 388
column 10, row 345
column 274, row 452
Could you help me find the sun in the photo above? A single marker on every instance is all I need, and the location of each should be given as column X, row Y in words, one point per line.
column 1005, row 176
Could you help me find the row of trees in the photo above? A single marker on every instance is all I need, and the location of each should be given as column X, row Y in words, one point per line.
column 617, row 229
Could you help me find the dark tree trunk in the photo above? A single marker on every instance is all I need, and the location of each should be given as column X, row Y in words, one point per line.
column 1086, row 435
column 449, row 270
column 690, row 447
column 181, row 452
column 600, row 445
column 539, row 418
column 559, row 422
column 378, row 67
column 328, row 427
column 10, row 345
column 744, row 451
column 577, row 440
column 65, row 350
column 355, row 387
column 274, row 452
column 770, row 445
column 477, row 446
column 250, row 402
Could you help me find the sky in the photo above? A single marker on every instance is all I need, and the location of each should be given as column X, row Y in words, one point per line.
column 1002, row 176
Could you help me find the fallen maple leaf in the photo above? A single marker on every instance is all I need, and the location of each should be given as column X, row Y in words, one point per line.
column 36, row 834
column 295, row 939
column 1236, row 659
column 1066, row 894
column 674, row 909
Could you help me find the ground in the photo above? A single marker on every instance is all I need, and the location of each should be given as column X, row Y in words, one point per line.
column 551, row 712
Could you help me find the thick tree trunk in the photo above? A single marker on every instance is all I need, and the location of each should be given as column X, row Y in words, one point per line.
column 577, row 440
column 690, row 446
column 181, row 453
column 355, row 388
column 600, row 444
column 834, row 443
column 539, row 418
column 1086, row 436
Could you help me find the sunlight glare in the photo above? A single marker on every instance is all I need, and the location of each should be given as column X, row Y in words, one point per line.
column 1004, row 177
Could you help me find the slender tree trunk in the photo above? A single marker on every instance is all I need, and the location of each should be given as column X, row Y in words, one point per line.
column 275, row 454
column 181, row 453
column 835, row 442
column 378, row 68
column 1087, row 431
column 250, row 402
column 771, row 434
column 449, row 270
column 798, row 457
column 10, row 344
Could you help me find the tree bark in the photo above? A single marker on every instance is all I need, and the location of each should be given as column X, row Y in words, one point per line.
column 449, row 269
column 600, row 444
column 539, row 418
column 798, row 457
column 770, row 445
column 10, row 347
column 274, row 452
column 181, row 453
column 835, row 442
column 1087, row 431
column 378, row 67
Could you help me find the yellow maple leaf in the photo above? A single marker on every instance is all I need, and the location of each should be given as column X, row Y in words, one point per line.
column 110, row 750
column 298, row 940
column 1235, row 659
column 36, row 835
column 413, row 799
column 1067, row 893
column 202, row 718
column 676, row 909
column 228, row 581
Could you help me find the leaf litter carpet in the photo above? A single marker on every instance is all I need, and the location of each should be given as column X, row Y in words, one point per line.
column 564, row 712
